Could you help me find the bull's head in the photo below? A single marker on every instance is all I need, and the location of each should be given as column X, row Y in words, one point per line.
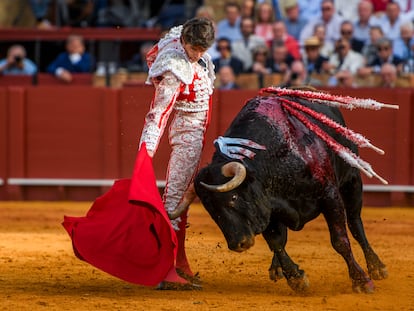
column 234, row 201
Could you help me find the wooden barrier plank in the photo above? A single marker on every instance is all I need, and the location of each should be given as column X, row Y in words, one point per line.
column 3, row 142
column 16, row 157
column 64, row 132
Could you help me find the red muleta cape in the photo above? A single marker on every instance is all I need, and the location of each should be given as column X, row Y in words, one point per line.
column 126, row 232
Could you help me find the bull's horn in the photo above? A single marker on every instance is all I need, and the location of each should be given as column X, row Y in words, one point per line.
column 235, row 169
column 185, row 203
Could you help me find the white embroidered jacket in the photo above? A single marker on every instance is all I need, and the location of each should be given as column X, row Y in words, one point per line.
column 179, row 84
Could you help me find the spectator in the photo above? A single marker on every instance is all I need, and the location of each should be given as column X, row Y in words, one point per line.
column 260, row 60
column 75, row 13
column 329, row 18
column 369, row 51
column 344, row 79
column 41, row 10
column 388, row 74
column 280, row 59
column 313, row 61
column 364, row 21
column 16, row 62
column 406, row 6
column 265, row 16
column 280, row 35
column 347, row 32
column 379, row 7
column 243, row 48
column 309, row 9
column 384, row 55
column 293, row 20
column 229, row 27
column 327, row 47
column 73, row 60
column 227, row 79
column 402, row 45
column 296, row 76
column 247, row 8
column 344, row 58
column 138, row 63
column 123, row 13
column 347, row 9
column 226, row 57
column 391, row 21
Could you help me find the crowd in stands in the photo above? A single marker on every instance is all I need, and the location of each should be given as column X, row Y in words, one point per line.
column 318, row 42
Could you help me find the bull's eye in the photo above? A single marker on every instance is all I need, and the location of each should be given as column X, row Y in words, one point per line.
column 232, row 202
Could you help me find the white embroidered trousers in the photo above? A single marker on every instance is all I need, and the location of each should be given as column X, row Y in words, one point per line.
column 186, row 139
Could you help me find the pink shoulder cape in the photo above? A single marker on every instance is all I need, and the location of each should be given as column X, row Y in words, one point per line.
column 126, row 232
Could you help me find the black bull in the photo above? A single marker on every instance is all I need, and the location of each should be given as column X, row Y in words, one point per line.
column 295, row 179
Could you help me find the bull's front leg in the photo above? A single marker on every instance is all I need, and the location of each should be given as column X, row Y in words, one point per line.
column 334, row 214
column 282, row 265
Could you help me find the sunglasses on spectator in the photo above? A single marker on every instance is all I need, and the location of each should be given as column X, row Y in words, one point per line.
column 383, row 48
column 223, row 47
column 326, row 8
column 346, row 32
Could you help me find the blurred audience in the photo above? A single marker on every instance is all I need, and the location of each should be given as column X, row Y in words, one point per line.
column 265, row 16
column 344, row 58
column 138, row 62
column 75, row 13
column 402, row 46
column 364, row 21
column 391, row 21
column 280, row 59
column 309, row 9
column 41, row 10
column 389, row 75
column 347, row 9
column 344, row 78
column 243, row 48
column 384, row 55
column 329, row 18
column 327, row 47
column 229, row 26
column 227, row 79
column 226, row 57
column 370, row 50
column 347, row 32
column 280, row 35
column 248, row 8
column 16, row 62
column 74, row 60
column 260, row 60
column 313, row 61
column 293, row 20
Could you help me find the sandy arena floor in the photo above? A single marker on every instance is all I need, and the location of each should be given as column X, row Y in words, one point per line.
column 38, row 270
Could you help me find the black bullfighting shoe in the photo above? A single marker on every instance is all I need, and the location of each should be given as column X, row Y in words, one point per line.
column 190, row 278
column 165, row 285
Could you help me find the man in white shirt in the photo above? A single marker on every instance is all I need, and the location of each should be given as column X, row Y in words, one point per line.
column 329, row 18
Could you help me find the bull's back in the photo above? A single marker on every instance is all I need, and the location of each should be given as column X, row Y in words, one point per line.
column 292, row 149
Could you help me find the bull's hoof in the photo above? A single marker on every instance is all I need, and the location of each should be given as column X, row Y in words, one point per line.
column 276, row 274
column 379, row 273
column 365, row 287
column 299, row 284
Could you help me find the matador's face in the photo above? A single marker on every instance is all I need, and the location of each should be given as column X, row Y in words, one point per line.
column 194, row 53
